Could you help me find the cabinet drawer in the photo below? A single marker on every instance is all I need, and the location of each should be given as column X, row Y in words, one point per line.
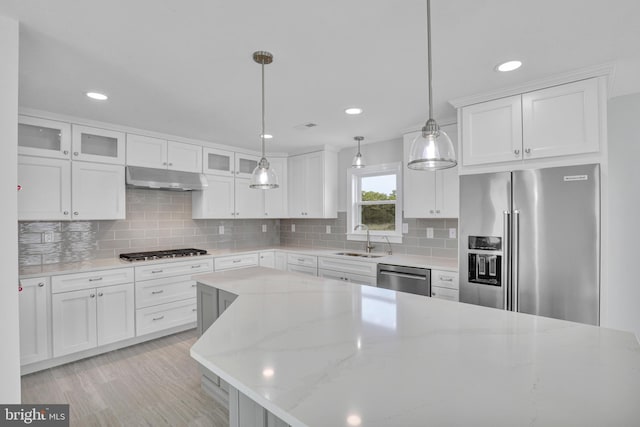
column 91, row 279
column 311, row 271
column 157, row 271
column 444, row 279
column 348, row 266
column 237, row 261
column 159, row 317
column 444, row 293
column 161, row 291
column 303, row 260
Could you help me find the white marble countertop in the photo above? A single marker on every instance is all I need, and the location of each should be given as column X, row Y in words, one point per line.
column 447, row 264
column 318, row 352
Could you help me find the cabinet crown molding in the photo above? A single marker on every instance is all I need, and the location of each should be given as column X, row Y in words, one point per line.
column 602, row 70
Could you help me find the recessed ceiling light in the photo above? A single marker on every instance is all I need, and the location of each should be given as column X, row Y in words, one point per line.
column 98, row 96
column 508, row 66
column 267, row 136
column 353, row 111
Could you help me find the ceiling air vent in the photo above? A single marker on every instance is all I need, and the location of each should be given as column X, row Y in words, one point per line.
column 305, row 126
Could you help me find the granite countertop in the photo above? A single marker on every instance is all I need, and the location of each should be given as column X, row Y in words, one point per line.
column 109, row 263
column 316, row 352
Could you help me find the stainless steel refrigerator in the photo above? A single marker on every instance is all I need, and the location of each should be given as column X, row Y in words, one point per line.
column 530, row 241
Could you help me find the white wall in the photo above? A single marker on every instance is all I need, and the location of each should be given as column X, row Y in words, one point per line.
column 9, row 339
column 623, row 282
column 373, row 154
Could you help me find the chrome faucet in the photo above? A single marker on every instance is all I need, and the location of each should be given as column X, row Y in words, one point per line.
column 390, row 251
column 368, row 247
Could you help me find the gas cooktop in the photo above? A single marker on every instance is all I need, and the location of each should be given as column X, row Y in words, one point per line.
column 172, row 253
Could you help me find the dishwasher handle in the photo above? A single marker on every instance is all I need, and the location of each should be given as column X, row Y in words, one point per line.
column 405, row 275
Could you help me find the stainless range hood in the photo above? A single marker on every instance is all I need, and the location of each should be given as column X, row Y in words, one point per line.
column 165, row 179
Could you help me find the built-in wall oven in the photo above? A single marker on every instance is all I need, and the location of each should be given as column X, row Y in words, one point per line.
column 405, row 279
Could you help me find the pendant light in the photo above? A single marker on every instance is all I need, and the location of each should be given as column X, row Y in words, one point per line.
column 263, row 177
column 432, row 149
column 358, row 161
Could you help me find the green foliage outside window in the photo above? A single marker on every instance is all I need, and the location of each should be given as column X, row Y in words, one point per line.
column 379, row 217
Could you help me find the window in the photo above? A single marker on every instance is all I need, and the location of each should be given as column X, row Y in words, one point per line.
column 375, row 202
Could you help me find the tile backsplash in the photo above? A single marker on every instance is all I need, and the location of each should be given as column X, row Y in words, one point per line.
column 312, row 233
column 156, row 219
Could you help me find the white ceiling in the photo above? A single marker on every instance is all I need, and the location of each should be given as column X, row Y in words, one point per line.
column 184, row 67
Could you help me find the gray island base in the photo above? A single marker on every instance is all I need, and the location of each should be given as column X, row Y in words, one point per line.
column 288, row 349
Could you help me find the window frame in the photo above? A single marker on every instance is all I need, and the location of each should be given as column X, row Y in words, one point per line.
column 354, row 202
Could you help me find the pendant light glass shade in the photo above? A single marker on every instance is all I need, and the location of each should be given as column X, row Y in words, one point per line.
column 263, row 177
column 432, row 149
column 358, row 160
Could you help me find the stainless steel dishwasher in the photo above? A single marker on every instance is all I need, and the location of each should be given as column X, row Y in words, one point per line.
column 405, row 279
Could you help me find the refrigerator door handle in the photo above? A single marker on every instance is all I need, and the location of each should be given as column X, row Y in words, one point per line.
column 515, row 259
column 506, row 265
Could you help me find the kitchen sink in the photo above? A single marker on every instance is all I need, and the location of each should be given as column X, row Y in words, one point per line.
column 356, row 254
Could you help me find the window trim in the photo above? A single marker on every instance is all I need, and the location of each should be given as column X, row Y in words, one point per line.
column 353, row 181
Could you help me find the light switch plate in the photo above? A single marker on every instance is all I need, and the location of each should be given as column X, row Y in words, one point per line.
column 328, row 229
column 452, row 233
column 264, row 228
column 405, row 227
column 221, row 229
column 293, row 228
column 429, row 232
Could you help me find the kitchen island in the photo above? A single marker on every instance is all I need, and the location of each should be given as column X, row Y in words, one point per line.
column 318, row 352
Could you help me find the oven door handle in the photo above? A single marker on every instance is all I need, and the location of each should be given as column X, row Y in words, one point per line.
column 405, row 275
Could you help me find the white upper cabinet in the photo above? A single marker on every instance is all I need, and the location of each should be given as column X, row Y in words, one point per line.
column 42, row 137
column 565, row 121
column 45, row 192
column 275, row 200
column 313, row 185
column 249, row 201
column 430, row 194
column 218, row 162
column 146, row 151
column 159, row 153
column 561, row 120
column 245, row 164
column 492, row 131
column 97, row 145
column 215, row 201
column 184, row 157
column 98, row 190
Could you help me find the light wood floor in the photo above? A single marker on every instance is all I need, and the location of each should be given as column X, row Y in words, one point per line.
column 150, row 384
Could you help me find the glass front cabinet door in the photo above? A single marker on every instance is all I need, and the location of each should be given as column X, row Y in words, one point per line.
column 98, row 145
column 44, row 138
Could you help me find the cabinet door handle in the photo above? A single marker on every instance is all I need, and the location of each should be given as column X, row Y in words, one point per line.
column 157, row 292
column 75, row 153
column 40, row 285
column 100, row 294
column 156, row 271
column 433, row 294
column 92, row 295
column 516, row 152
column 170, row 164
column 196, row 266
column 95, row 279
column 194, row 285
column 76, row 213
column 65, row 213
column 158, row 318
column 527, row 150
column 437, row 210
column 194, row 309
column 65, row 152
column 431, row 211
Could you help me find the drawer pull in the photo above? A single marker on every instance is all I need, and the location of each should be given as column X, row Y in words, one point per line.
column 433, row 294
column 158, row 318
column 446, row 279
column 196, row 266
column 95, row 279
column 156, row 271
column 195, row 309
column 301, row 259
column 235, row 261
column 194, row 285
column 157, row 292
column 100, row 294
column 40, row 285
column 92, row 295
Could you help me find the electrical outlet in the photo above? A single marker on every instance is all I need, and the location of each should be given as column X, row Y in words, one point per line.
column 429, row 232
column 328, row 229
column 452, row 233
column 405, row 228
column 293, row 228
column 264, row 228
column 221, row 229
column 47, row 237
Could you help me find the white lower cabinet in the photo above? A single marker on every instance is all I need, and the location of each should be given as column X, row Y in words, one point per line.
column 358, row 272
column 35, row 343
column 444, row 285
column 267, row 259
column 347, row 277
column 164, row 316
column 92, row 317
column 236, row 261
column 280, row 261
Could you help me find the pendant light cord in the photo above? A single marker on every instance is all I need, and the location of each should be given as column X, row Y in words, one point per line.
column 262, row 135
column 429, row 58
